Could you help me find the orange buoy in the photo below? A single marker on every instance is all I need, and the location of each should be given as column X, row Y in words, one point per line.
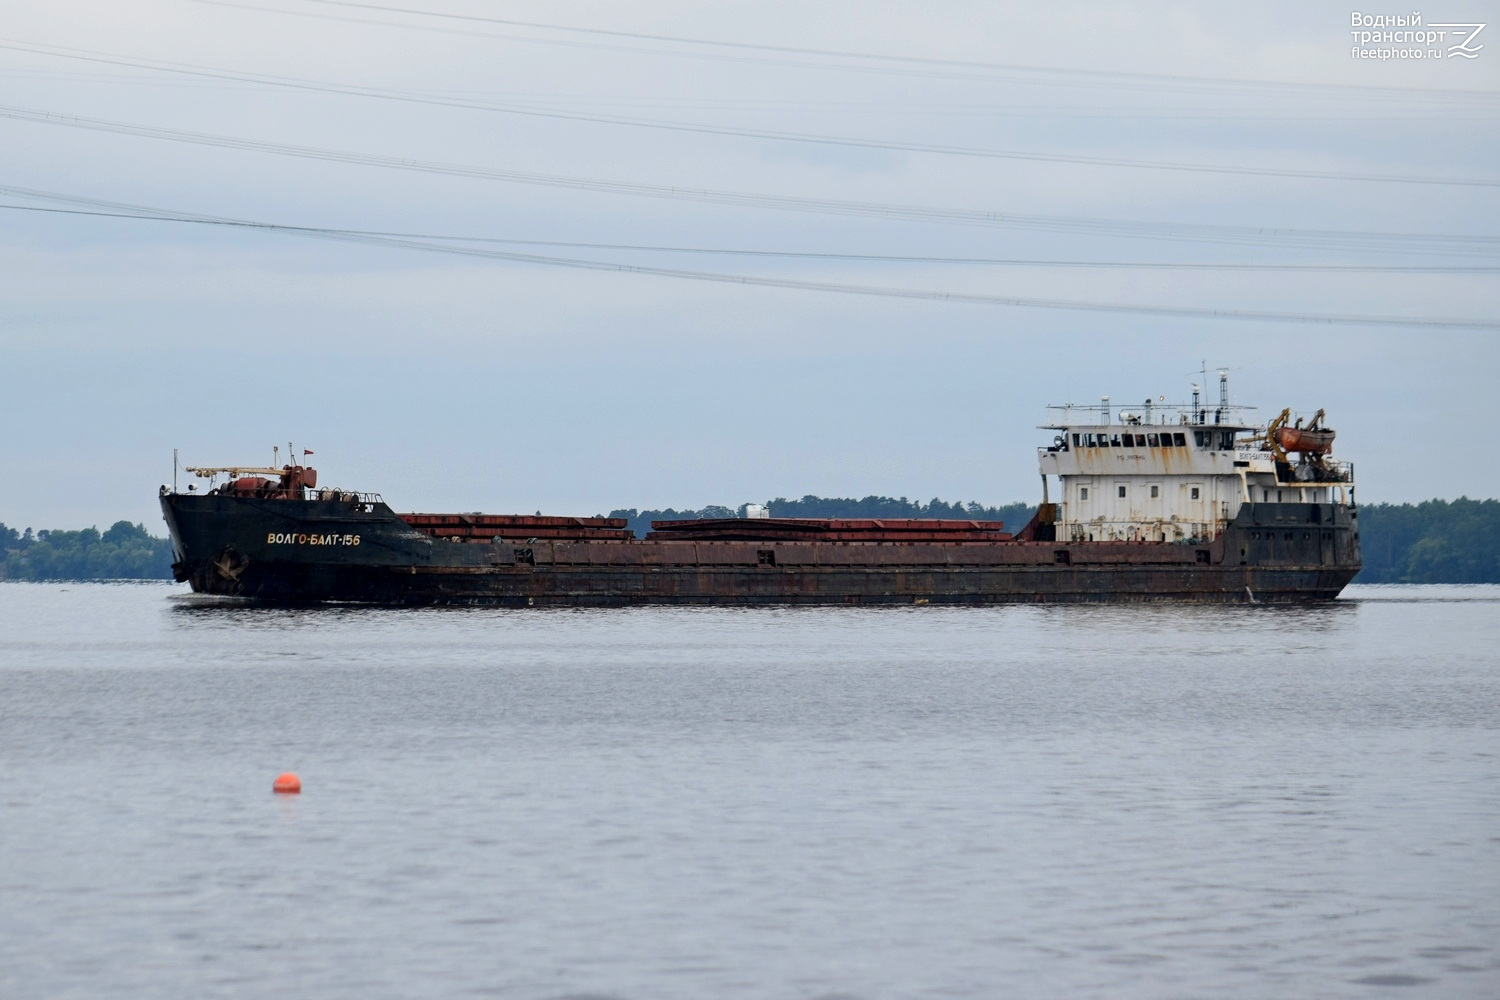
column 287, row 784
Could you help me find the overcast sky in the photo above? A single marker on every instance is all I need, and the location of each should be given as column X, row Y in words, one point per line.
column 1031, row 137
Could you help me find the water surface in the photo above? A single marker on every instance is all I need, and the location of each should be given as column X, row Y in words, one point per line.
column 1142, row 801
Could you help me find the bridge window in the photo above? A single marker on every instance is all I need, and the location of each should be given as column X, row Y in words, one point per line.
column 1114, row 442
column 1179, row 440
column 1153, row 441
column 1075, row 440
column 1226, row 440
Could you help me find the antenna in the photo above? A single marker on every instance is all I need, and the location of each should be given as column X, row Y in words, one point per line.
column 1104, row 408
column 174, row 470
column 275, row 456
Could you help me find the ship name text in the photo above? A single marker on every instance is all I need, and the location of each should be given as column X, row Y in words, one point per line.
column 294, row 538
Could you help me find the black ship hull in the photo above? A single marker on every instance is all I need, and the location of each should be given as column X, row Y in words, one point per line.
column 294, row 551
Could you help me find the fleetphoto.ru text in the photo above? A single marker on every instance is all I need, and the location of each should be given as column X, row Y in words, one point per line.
column 1404, row 36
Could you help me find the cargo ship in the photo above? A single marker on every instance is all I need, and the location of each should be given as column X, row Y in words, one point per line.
column 1184, row 502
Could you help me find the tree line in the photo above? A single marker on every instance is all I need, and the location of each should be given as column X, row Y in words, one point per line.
column 124, row 552
column 1437, row 541
column 1014, row 515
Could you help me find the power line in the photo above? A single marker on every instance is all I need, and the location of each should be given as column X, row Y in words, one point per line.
column 926, row 109
column 1107, row 75
column 1051, row 76
column 695, row 128
column 777, row 254
column 1445, row 245
column 350, row 236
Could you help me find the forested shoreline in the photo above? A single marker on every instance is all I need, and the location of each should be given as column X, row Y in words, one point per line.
column 123, row 552
column 1014, row 515
column 1436, row 541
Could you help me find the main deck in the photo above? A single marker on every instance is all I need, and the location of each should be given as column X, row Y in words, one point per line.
column 294, row 551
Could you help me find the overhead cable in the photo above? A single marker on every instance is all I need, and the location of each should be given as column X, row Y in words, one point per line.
column 1383, row 242
column 1126, row 265
column 1111, row 77
column 774, row 135
column 762, row 281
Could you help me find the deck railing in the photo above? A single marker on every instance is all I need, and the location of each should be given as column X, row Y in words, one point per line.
column 347, row 496
column 1332, row 472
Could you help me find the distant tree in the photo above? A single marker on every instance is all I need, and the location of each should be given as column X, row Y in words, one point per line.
column 639, row 521
column 125, row 552
column 1436, row 541
column 1014, row 515
column 122, row 532
column 714, row 510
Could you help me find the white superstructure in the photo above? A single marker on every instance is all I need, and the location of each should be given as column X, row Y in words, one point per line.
column 1158, row 473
